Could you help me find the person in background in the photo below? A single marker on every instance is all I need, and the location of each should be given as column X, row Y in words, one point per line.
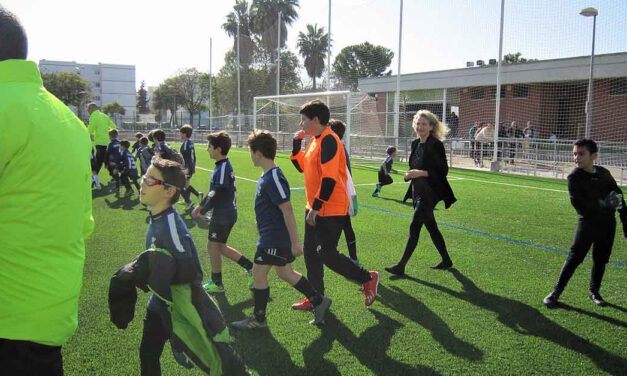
column 427, row 171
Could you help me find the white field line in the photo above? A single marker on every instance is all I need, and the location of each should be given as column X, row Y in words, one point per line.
column 452, row 178
column 238, row 177
column 512, row 185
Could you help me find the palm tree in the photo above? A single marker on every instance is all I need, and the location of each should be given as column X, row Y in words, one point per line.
column 247, row 45
column 265, row 16
column 313, row 48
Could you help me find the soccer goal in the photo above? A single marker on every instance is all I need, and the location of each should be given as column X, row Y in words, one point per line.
column 279, row 113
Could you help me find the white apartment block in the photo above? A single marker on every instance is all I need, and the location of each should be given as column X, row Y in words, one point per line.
column 109, row 82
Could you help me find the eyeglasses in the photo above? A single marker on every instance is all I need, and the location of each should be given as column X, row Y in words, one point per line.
column 150, row 181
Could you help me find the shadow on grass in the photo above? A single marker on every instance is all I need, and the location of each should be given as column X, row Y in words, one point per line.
column 370, row 348
column 617, row 307
column 96, row 193
column 413, row 309
column 124, row 203
column 259, row 349
column 527, row 320
column 594, row 315
column 400, row 202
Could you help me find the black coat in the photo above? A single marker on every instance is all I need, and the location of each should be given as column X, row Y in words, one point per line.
column 434, row 162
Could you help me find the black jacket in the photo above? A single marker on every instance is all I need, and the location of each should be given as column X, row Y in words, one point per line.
column 434, row 162
column 194, row 321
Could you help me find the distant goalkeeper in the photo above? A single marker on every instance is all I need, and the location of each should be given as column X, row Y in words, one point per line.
column 384, row 171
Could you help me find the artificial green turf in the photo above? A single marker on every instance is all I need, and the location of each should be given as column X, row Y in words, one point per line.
column 483, row 317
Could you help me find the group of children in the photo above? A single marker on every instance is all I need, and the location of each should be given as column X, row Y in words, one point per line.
column 122, row 160
column 278, row 244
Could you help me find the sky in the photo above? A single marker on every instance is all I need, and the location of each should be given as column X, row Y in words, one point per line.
column 163, row 37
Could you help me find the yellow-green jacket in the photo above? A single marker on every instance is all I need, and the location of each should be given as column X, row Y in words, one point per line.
column 99, row 125
column 45, row 208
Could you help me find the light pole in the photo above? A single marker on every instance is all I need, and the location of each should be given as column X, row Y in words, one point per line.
column 590, row 12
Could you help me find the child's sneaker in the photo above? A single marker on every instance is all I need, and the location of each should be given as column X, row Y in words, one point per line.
column 320, row 310
column 212, row 287
column 370, row 289
column 249, row 322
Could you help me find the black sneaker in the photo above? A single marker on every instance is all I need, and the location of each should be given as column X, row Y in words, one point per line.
column 597, row 299
column 551, row 300
column 395, row 269
column 442, row 265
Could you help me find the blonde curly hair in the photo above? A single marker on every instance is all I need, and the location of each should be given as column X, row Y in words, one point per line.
column 439, row 131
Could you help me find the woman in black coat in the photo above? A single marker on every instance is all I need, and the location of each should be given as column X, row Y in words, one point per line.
column 427, row 172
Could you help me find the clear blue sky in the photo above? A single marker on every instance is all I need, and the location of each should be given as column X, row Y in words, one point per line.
column 160, row 38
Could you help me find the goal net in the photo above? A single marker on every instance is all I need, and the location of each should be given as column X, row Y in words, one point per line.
column 359, row 111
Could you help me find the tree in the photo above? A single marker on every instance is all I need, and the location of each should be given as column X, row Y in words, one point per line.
column 257, row 63
column 247, row 44
column 70, row 88
column 142, row 99
column 113, row 108
column 193, row 88
column 313, row 48
column 514, row 58
column 167, row 97
column 265, row 25
column 361, row 60
column 290, row 79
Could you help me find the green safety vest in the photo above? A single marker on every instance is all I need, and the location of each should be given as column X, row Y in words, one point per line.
column 99, row 125
column 45, row 208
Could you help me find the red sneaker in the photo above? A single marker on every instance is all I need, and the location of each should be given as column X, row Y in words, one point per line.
column 303, row 305
column 370, row 289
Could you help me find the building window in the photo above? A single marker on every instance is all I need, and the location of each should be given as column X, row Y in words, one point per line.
column 492, row 92
column 97, row 84
column 477, row 93
column 97, row 72
column 520, row 91
column 97, row 98
column 618, row 86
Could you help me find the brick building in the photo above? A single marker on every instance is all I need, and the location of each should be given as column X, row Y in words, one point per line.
column 550, row 93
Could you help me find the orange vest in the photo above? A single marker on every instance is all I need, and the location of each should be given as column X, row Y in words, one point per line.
column 314, row 171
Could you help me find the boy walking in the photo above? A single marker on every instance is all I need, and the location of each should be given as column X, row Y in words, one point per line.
column 221, row 201
column 144, row 155
column 189, row 156
column 384, row 171
column 339, row 128
column 323, row 165
column 160, row 148
column 278, row 242
column 128, row 169
column 114, row 158
column 595, row 196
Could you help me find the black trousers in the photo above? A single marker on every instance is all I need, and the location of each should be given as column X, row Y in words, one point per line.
column 423, row 215
column 320, row 249
column 153, row 340
column 101, row 157
column 351, row 239
column 24, row 358
column 599, row 235
column 385, row 179
column 126, row 180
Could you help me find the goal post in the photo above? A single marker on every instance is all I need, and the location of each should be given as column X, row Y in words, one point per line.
column 280, row 113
